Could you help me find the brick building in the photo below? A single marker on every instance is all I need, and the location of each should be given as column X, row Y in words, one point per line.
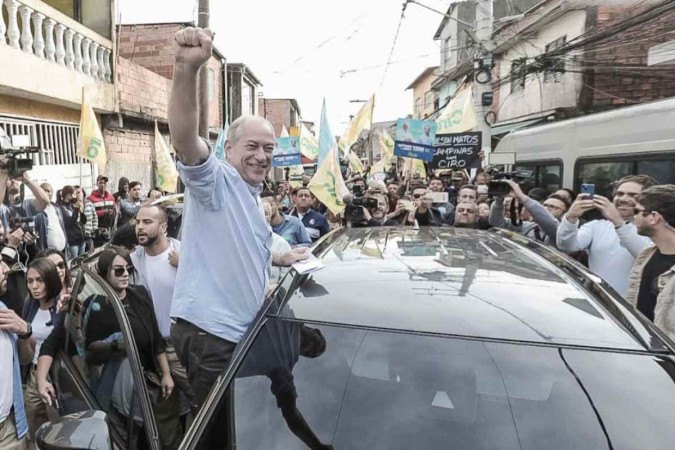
column 281, row 112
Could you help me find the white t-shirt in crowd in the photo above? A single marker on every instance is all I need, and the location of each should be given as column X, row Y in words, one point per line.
column 6, row 375
column 41, row 330
column 56, row 239
column 161, row 276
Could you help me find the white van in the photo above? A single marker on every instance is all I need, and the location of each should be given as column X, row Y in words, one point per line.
column 598, row 148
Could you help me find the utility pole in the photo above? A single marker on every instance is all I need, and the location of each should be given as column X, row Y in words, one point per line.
column 483, row 71
column 203, row 22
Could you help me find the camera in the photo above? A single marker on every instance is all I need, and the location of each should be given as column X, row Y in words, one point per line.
column 27, row 224
column 15, row 165
column 497, row 186
column 356, row 203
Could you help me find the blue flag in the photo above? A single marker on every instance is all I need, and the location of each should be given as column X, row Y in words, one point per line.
column 326, row 137
column 219, row 149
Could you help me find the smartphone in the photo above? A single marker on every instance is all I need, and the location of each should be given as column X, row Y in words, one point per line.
column 588, row 189
column 438, row 197
column 408, row 205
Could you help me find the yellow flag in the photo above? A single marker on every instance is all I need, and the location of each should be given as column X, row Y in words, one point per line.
column 458, row 115
column 90, row 143
column 309, row 145
column 361, row 121
column 328, row 185
column 415, row 166
column 384, row 145
column 355, row 163
column 167, row 175
column 295, row 175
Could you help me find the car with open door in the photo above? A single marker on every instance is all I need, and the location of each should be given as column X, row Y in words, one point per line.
column 428, row 338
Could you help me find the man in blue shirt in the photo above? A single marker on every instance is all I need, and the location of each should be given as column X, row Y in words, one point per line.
column 16, row 346
column 222, row 277
column 288, row 227
column 315, row 223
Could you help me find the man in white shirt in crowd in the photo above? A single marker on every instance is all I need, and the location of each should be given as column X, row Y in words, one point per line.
column 156, row 261
column 613, row 243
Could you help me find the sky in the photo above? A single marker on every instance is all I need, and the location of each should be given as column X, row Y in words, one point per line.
column 310, row 50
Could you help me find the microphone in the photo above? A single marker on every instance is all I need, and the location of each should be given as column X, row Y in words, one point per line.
column 348, row 199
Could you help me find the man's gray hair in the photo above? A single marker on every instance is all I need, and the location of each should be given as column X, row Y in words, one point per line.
column 234, row 132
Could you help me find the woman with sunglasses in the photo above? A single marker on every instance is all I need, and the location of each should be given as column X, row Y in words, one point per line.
column 103, row 341
column 41, row 314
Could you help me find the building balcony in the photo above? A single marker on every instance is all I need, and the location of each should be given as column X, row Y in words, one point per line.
column 48, row 57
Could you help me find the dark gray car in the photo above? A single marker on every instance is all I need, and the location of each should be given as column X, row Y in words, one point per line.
column 436, row 338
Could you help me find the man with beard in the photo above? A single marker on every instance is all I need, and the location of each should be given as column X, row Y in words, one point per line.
column 104, row 203
column 315, row 223
column 226, row 253
column 613, row 242
column 466, row 215
column 73, row 220
column 377, row 217
column 652, row 280
column 155, row 261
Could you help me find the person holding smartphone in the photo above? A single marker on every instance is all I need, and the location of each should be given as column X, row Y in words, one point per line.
column 612, row 242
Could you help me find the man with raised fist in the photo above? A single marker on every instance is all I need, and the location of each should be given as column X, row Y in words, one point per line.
column 225, row 259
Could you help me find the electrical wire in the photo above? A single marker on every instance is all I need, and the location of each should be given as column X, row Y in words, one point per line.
column 393, row 44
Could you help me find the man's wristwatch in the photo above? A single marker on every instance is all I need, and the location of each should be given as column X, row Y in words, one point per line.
column 28, row 333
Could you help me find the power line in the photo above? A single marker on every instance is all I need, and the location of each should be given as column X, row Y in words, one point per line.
column 393, row 44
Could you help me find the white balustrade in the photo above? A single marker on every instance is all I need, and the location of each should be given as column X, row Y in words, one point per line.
column 47, row 38
column 60, row 48
column 86, row 64
column 77, row 43
column 94, row 63
column 26, row 36
column 50, row 48
column 70, row 53
column 101, row 67
column 3, row 27
column 13, row 33
column 38, row 39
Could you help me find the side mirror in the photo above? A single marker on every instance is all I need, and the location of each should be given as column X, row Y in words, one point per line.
column 81, row 431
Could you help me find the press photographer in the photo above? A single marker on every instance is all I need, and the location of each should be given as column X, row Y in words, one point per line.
column 367, row 211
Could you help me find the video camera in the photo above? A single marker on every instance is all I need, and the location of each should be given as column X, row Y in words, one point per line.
column 356, row 202
column 14, row 165
column 497, row 186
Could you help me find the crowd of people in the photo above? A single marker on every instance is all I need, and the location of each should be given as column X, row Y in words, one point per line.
column 189, row 304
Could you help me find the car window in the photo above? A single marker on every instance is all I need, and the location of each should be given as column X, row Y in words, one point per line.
column 97, row 348
column 310, row 386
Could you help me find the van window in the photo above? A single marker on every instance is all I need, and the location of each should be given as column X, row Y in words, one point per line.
column 547, row 175
column 603, row 173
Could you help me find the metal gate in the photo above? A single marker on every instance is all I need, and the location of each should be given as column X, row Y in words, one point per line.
column 57, row 141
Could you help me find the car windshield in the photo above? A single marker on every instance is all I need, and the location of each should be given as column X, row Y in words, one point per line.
column 306, row 386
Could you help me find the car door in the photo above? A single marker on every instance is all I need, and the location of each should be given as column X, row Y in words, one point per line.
column 92, row 372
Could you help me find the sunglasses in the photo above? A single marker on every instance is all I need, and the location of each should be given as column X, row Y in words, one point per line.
column 119, row 271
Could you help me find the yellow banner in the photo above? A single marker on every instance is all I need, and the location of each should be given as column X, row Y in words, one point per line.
column 295, row 175
column 458, row 115
column 328, row 185
column 309, row 145
column 416, row 166
column 361, row 121
column 90, row 143
column 355, row 163
column 167, row 174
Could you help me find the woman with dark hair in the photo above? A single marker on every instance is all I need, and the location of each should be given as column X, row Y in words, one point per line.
column 104, row 345
column 74, row 221
column 59, row 261
column 122, row 190
column 41, row 313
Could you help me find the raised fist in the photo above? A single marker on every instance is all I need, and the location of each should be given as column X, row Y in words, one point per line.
column 193, row 46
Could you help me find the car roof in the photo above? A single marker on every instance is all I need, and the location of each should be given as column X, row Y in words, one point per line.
column 450, row 281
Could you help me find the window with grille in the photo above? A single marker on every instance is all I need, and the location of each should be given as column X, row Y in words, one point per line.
column 518, row 74
column 555, row 65
column 57, row 141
